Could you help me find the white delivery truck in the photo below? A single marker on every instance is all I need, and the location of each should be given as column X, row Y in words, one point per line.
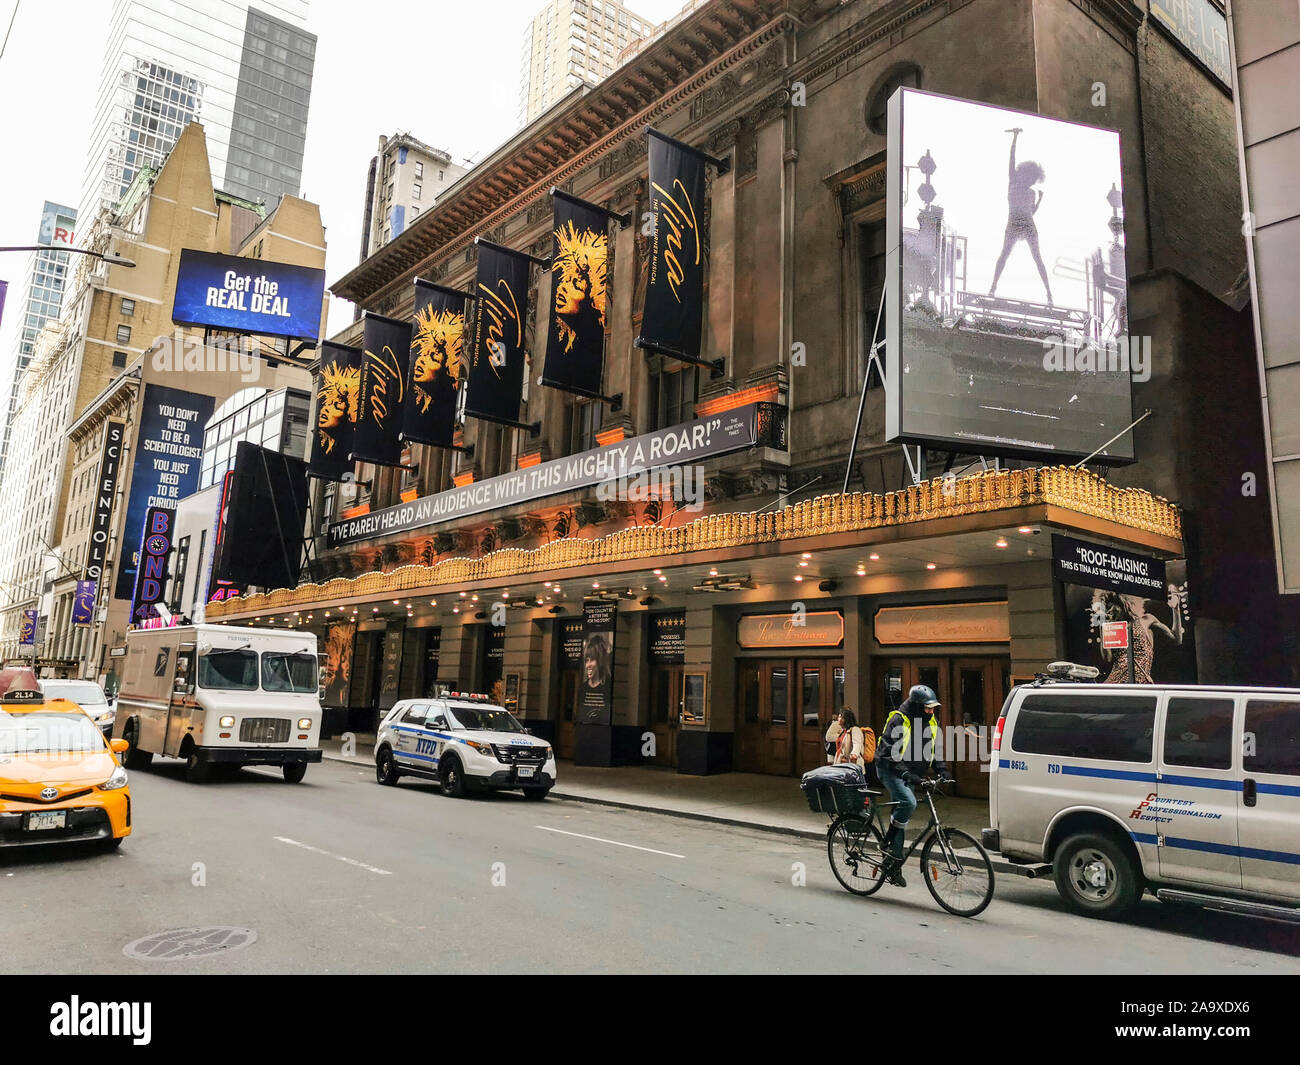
column 217, row 695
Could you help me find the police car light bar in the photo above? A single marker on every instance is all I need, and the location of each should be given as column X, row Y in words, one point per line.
column 469, row 695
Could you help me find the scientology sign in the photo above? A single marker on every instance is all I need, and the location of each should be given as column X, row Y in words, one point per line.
column 693, row 441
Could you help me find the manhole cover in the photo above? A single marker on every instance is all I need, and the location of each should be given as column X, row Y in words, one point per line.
column 182, row 943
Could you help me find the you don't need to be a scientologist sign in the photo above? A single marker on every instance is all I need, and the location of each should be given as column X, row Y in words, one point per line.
column 693, row 441
column 248, row 295
column 1100, row 566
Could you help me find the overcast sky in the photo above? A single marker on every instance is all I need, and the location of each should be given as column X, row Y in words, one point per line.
column 445, row 71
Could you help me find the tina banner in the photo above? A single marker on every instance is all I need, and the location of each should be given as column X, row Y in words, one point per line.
column 575, row 338
column 337, row 402
column 386, row 351
column 151, row 571
column 496, row 375
column 673, row 314
column 437, row 338
column 83, row 603
column 336, row 664
column 596, row 703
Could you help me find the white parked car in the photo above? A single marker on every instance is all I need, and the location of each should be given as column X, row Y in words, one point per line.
column 465, row 742
column 1189, row 792
column 86, row 694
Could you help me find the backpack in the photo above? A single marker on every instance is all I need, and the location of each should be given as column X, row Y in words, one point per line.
column 868, row 742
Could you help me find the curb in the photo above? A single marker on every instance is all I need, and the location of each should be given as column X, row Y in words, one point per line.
column 999, row 866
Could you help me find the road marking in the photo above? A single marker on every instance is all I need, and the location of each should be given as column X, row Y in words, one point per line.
column 614, row 842
column 330, row 854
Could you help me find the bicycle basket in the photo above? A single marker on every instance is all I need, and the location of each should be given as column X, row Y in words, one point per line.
column 835, row 789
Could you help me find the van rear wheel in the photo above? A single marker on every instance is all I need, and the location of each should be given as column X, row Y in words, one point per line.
column 1096, row 877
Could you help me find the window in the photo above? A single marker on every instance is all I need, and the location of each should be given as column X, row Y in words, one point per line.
column 288, row 672
column 419, row 171
column 907, row 75
column 871, row 244
column 1112, row 728
column 676, row 393
column 128, row 308
column 228, row 670
column 119, row 359
column 415, row 714
column 584, row 427
column 1198, row 732
column 1272, row 737
column 124, row 334
column 416, row 189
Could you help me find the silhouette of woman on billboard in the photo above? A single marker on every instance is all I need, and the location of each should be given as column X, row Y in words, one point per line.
column 1023, row 200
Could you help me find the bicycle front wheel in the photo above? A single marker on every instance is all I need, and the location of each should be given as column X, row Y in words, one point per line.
column 957, row 871
column 856, row 850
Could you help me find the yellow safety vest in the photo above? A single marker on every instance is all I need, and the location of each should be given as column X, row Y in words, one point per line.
column 907, row 731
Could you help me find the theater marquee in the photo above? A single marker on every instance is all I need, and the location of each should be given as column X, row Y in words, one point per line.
column 823, row 628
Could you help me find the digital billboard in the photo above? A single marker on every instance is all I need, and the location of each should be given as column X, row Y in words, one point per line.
column 1006, row 326
column 248, row 295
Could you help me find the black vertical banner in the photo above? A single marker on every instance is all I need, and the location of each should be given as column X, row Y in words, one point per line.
column 673, row 317
column 437, row 338
column 596, row 676
column 337, row 399
column 575, row 338
column 386, row 350
column 496, row 375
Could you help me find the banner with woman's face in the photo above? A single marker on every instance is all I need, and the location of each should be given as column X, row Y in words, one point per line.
column 596, row 673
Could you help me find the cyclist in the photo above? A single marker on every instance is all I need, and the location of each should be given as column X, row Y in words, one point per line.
column 904, row 758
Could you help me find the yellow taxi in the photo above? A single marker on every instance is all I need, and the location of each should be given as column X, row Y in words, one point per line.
column 60, row 780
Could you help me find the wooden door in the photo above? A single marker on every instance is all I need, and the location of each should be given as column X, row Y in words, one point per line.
column 821, row 696
column 665, row 711
column 767, row 733
column 564, row 726
column 979, row 686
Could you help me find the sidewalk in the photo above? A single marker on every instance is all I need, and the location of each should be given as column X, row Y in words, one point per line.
column 749, row 800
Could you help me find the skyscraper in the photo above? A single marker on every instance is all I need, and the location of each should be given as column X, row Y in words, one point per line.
column 570, row 42
column 42, row 301
column 242, row 69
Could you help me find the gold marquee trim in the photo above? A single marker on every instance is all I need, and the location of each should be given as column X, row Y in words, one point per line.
column 1064, row 486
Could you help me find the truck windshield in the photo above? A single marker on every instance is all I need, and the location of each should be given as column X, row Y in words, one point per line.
column 489, row 720
column 288, row 672
column 229, row 670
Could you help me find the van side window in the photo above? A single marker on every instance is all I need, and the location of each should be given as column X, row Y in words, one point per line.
column 1272, row 739
column 1198, row 732
column 1110, row 728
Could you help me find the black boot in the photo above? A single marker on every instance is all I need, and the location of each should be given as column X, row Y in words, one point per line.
column 892, row 845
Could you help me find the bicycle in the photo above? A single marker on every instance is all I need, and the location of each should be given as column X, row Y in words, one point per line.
column 954, row 866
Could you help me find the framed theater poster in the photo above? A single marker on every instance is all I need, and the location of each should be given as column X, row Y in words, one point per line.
column 694, row 699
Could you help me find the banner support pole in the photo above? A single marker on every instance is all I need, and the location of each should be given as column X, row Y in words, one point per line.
column 716, row 367
column 723, row 165
column 624, row 220
column 546, row 263
column 534, row 428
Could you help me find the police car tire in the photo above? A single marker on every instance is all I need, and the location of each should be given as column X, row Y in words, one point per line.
column 452, row 775
column 294, row 772
column 1128, row 882
column 134, row 758
column 536, row 794
column 386, row 768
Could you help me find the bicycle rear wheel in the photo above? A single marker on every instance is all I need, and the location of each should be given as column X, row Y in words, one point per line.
column 855, row 849
column 957, row 871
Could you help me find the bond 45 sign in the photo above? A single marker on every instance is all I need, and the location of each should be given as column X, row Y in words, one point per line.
column 151, row 574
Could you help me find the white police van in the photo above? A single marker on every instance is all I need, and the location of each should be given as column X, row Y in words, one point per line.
column 465, row 742
column 1189, row 792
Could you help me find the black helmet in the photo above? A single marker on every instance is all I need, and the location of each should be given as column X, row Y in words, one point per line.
column 923, row 697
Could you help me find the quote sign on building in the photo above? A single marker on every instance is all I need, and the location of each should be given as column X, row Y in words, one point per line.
column 248, row 295
column 168, row 449
column 1006, row 325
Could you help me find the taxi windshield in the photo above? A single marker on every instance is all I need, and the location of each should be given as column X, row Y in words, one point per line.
column 288, row 672
column 48, row 733
column 488, row 719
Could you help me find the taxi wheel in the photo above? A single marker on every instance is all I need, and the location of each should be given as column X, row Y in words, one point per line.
column 453, row 778
column 113, row 844
column 294, row 773
column 386, row 768
column 196, row 770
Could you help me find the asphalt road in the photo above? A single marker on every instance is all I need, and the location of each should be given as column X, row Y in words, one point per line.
column 339, row 875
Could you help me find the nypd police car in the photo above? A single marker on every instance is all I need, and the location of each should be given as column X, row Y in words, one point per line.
column 465, row 742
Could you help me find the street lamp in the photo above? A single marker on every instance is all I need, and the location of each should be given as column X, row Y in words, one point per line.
column 112, row 258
